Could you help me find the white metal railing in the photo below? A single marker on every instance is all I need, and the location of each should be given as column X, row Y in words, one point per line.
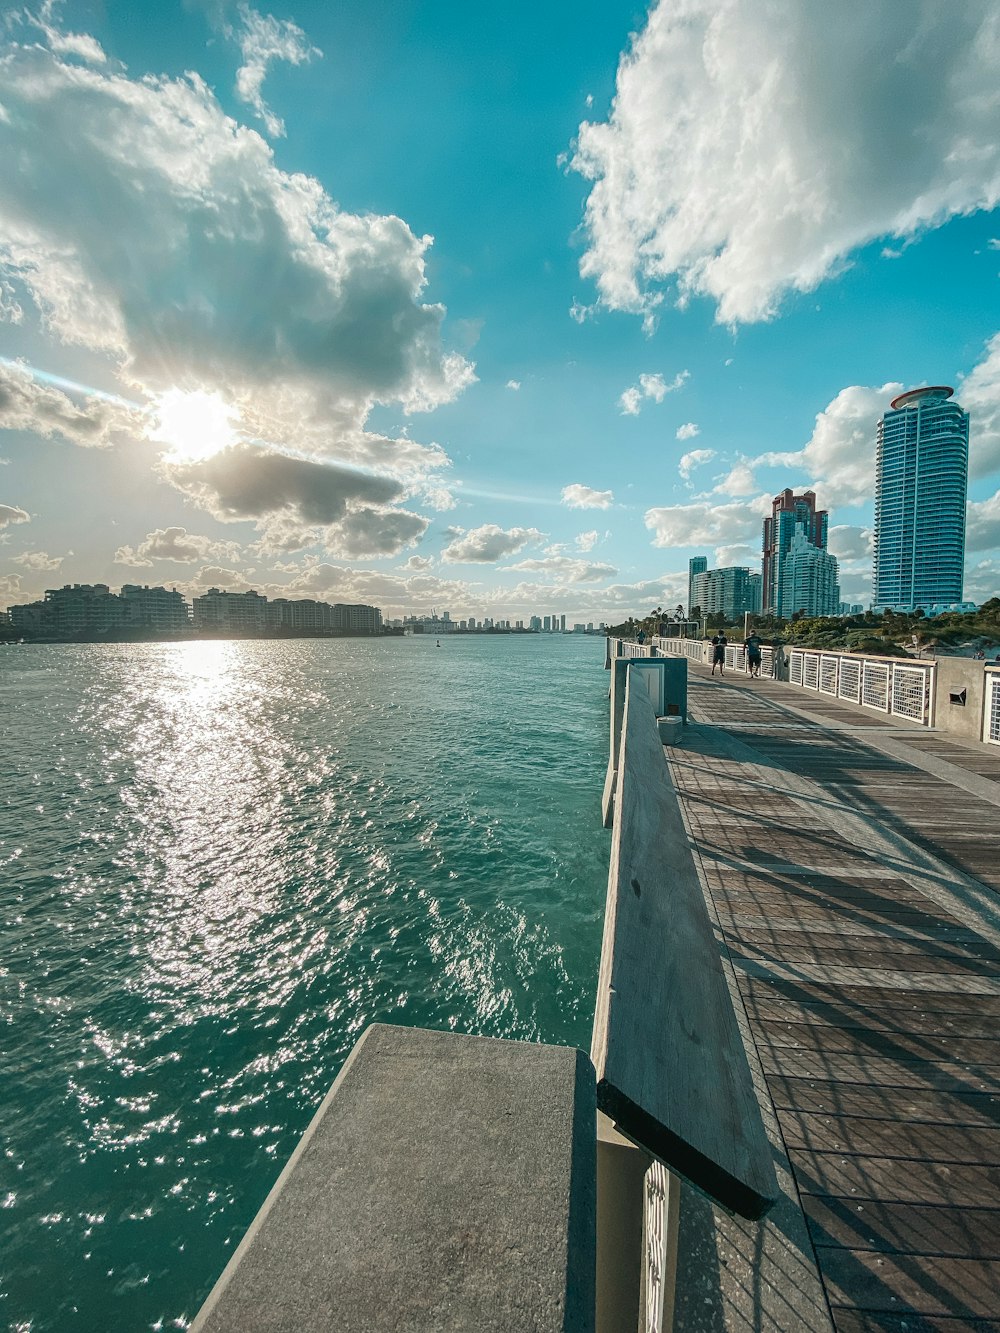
column 991, row 718
column 900, row 687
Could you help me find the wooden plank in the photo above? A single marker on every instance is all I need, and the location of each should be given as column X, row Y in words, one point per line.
column 871, row 1321
column 958, row 952
column 906, row 1020
column 896, row 1045
column 878, row 999
column 888, row 958
column 874, row 1071
column 666, row 1041
column 903, row 1228
column 930, row 1285
column 948, row 1184
column 892, row 1138
column 927, row 1105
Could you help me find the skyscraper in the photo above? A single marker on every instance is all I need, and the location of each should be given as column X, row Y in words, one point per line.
column 696, row 565
column 731, row 591
column 921, row 479
column 788, row 513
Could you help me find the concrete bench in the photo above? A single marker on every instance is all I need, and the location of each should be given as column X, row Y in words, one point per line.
column 447, row 1183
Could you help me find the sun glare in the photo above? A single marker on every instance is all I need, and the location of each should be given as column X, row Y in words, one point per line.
column 194, row 425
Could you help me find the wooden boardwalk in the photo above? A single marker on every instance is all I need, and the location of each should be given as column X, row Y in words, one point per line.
column 853, row 867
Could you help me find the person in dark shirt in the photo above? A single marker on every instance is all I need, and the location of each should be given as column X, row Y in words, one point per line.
column 719, row 653
column 752, row 646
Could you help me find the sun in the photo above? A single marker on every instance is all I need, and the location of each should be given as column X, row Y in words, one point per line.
column 194, row 425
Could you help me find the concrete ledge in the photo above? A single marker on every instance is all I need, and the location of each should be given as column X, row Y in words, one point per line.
column 446, row 1183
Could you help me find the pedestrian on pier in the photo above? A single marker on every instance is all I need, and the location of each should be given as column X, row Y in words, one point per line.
column 719, row 653
column 752, row 646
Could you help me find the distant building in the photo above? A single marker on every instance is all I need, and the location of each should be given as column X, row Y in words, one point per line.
column 547, row 624
column 809, row 580
column 73, row 611
column 535, row 623
column 921, row 480
column 696, row 565
column 230, row 612
column 562, row 624
column 161, row 610
column 731, row 591
column 850, row 609
column 790, row 513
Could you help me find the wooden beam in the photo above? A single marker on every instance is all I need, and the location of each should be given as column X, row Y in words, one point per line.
column 671, row 1069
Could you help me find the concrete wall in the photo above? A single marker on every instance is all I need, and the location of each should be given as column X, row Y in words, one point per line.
column 959, row 677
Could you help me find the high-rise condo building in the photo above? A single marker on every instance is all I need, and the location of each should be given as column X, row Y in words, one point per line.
column 732, row 591
column 696, row 565
column 789, row 513
column 921, row 479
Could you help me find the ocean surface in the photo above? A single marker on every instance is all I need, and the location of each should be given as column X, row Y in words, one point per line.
column 219, row 862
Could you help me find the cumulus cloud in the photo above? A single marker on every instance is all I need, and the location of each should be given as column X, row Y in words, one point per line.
column 585, row 497
column 695, row 458
column 688, row 431
column 566, row 569
column 703, row 524
column 221, row 272
column 487, row 544
column 38, row 561
column 650, row 386
column 418, row 564
column 850, row 543
column 980, row 396
column 982, row 528
column 10, row 514
column 264, row 39
column 752, row 148
column 26, row 404
column 740, row 480
column 738, row 554
column 440, row 498
column 514, row 385
column 586, row 541
column 175, row 544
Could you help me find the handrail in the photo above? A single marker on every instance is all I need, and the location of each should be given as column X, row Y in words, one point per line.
column 672, row 1071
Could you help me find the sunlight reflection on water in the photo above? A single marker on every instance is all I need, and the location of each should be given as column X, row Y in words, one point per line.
column 220, row 861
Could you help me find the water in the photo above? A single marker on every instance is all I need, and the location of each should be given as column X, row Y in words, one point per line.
column 218, row 863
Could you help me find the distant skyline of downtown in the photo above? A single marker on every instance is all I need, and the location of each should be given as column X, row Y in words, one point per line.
column 500, row 312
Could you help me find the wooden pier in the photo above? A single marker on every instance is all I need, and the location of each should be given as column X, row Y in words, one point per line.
column 851, row 863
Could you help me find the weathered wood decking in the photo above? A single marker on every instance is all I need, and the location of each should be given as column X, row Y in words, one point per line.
column 853, row 867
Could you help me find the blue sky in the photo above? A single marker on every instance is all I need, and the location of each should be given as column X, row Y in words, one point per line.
column 495, row 311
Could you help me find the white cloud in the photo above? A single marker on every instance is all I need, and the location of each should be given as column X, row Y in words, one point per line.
column 175, row 544
column 514, row 385
column 703, row 524
column 586, row 541
column 979, row 394
column 440, row 498
column 27, row 405
column 12, row 514
column 740, row 480
column 263, row 39
column 488, row 543
column 418, row 564
column 692, row 460
column 78, row 44
column 242, row 280
column 738, row 554
column 38, row 561
column 850, row 543
column 585, row 497
column 982, row 530
column 993, row 243
column 650, row 386
column 687, row 432
column 566, row 569
column 753, row 147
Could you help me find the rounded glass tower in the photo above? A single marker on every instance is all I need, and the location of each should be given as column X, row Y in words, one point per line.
column 921, row 479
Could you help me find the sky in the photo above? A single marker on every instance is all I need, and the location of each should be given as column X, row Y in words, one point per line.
column 494, row 310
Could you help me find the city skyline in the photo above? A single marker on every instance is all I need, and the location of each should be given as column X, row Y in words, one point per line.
column 396, row 309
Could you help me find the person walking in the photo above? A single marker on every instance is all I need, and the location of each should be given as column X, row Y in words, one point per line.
column 719, row 653
column 752, row 645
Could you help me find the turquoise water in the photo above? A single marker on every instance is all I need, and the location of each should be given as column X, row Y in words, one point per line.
column 218, row 863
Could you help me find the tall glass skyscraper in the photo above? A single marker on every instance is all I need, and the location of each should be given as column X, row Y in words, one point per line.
column 799, row 574
column 921, row 479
